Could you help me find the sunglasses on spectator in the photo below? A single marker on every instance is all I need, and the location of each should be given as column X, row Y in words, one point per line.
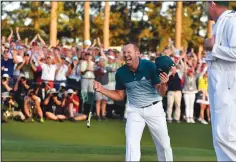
column 6, row 51
column 87, row 54
column 26, row 54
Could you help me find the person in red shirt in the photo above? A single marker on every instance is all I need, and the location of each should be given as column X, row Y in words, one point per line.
column 71, row 104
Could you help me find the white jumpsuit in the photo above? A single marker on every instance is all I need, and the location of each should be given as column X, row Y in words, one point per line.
column 222, row 86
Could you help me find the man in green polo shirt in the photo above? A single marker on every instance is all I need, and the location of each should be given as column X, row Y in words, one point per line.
column 144, row 89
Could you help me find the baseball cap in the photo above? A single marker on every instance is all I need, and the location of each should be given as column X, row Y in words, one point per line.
column 190, row 70
column 74, row 58
column 223, row 3
column 26, row 54
column 163, row 64
column 62, row 85
column 34, row 43
column 19, row 47
column 53, row 90
column 63, row 57
column 6, row 76
column 111, row 57
column 68, row 60
column 70, row 91
column 22, row 75
column 96, row 58
column 101, row 57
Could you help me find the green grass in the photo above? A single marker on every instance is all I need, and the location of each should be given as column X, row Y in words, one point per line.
column 104, row 141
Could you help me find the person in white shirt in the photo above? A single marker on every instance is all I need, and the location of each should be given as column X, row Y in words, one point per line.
column 87, row 73
column 221, row 60
column 61, row 73
column 49, row 69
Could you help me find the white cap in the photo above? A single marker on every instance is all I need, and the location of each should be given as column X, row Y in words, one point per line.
column 111, row 57
column 6, row 76
column 153, row 55
column 68, row 60
column 53, row 90
column 97, row 59
column 87, row 43
column 22, row 75
column 70, row 91
column 62, row 85
column 102, row 58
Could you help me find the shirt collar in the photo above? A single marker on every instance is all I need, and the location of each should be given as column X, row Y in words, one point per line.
column 140, row 65
column 223, row 14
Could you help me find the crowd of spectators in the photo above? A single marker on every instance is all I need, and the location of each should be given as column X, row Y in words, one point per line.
column 42, row 82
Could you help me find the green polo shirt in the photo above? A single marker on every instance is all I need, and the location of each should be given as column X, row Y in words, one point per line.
column 139, row 85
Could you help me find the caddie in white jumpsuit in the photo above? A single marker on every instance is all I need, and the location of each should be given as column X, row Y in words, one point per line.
column 221, row 61
column 144, row 90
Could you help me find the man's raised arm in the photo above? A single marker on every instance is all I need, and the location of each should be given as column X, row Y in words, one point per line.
column 116, row 95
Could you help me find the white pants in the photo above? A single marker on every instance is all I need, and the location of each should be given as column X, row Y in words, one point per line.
column 154, row 117
column 222, row 95
column 189, row 99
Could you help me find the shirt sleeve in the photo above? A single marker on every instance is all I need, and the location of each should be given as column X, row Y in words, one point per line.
column 227, row 53
column 43, row 65
column 119, row 84
column 155, row 79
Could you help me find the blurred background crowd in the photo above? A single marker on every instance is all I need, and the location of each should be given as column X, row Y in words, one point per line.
column 56, row 83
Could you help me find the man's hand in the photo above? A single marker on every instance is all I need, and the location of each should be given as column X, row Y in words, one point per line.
column 97, row 86
column 164, row 78
column 23, row 83
column 4, row 83
column 11, row 102
column 209, row 43
column 3, row 67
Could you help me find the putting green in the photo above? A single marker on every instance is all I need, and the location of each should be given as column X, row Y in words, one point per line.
column 104, row 141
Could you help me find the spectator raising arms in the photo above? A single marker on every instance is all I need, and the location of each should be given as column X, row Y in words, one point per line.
column 87, row 73
column 49, row 69
column 174, row 95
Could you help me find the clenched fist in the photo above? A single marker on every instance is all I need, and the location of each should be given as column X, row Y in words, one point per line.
column 164, row 78
column 97, row 86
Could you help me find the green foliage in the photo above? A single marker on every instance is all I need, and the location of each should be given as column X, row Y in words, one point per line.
column 149, row 34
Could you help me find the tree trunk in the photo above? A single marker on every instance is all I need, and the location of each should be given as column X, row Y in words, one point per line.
column 53, row 24
column 36, row 15
column 86, row 20
column 106, row 25
column 178, row 24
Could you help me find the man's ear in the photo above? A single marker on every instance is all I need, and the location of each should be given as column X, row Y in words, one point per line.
column 137, row 53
